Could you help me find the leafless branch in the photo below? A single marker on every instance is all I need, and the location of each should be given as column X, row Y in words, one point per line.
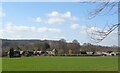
column 101, row 35
column 105, row 6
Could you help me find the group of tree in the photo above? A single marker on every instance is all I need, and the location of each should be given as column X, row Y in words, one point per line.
column 61, row 46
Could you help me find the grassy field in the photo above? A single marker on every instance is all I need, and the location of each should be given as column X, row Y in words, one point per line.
column 0, row 64
column 60, row 64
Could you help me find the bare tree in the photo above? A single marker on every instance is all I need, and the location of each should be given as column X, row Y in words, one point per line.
column 104, row 9
column 75, row 41
column 63, row 45
column 99, row 35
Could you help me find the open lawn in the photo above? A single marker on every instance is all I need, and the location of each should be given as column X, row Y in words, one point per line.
column 55, row 63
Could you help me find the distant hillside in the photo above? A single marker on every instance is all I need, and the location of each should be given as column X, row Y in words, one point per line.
column 60, row 45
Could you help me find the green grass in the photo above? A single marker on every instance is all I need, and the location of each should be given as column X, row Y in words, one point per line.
column 60, row 64
column 0, row 64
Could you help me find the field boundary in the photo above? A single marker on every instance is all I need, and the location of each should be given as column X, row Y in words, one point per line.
column 60, row 72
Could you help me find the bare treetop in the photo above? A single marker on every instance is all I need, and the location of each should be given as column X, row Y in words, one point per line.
column 104, row 8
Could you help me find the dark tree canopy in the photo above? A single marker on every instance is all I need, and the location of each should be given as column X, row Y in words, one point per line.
column 75, row 41
column 11, row 53
column 45, row 46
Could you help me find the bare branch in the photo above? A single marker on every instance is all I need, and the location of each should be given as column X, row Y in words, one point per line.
column 103, row 34
column 98, row 10
column 106, row 7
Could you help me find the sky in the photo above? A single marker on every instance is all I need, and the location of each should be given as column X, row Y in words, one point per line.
column 59, row 0
column 54, row 21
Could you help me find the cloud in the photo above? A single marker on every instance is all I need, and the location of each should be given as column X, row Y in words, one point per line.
column 38, row 19
column 1, row 33
column 74, row 18
column 54, row 14
column 82, row 29
column 92, row 30
column 2, row 14
column 9, row 27
column 75, row 26
column 96, row 34
column 56, row 17
column 55, row 21
column 87, row 30
column 60, row 18
column 45, row 29
column 67, row 15
column 54, row 30
column 14, row 31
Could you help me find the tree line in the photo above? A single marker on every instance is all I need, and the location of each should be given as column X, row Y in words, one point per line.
column 61, row 46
